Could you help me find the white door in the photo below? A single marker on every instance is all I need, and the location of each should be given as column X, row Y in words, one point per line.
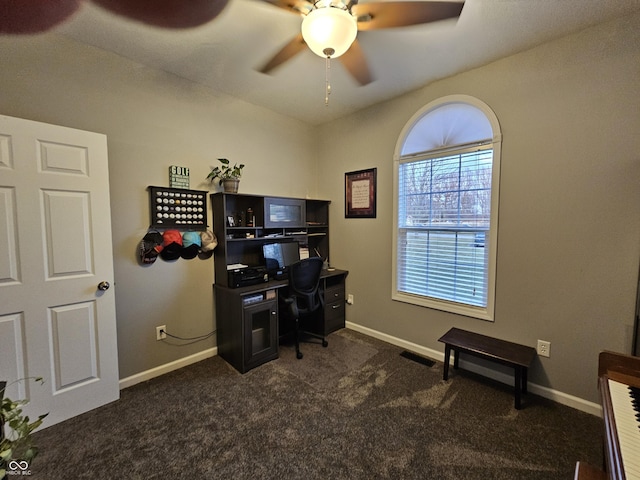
column 55, row 249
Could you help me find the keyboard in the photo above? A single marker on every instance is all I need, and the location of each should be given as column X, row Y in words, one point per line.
column 625, row 401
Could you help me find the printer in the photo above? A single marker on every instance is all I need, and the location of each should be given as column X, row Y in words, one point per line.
column 245, row 276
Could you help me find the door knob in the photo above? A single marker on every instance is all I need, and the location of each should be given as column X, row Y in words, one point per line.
column 103, row 286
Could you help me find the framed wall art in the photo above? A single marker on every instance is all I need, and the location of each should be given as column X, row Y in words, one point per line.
column 178, row 208
column 360, row 194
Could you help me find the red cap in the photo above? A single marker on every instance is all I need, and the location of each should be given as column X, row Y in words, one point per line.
column 172, row 236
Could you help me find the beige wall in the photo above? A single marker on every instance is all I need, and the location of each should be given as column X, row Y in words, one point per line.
column 569, row 232
column 153, row 120
column 569, row 226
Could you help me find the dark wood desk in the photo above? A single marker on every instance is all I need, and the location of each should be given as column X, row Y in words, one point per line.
column 514, row 355
column 584, row 471
column 247, row 318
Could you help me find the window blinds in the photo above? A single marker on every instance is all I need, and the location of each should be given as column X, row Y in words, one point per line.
column 443, row 223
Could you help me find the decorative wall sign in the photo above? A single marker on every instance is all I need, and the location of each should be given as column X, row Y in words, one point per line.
column 178, row 208
column 360, row 194
column 178, row 177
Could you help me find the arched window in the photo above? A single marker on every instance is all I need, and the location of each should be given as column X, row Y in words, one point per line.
column 446, row 180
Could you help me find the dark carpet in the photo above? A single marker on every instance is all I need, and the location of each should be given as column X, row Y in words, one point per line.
column 355, row 410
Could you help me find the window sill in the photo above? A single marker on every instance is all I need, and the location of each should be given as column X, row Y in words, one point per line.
column 481, row 313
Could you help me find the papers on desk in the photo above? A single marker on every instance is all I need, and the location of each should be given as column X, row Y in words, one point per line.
column 304, row 253
column 236, row 266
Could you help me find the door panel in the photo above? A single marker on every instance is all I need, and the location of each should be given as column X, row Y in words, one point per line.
column 68, row 159
column 12, row 357
column 54, row 200
column 68, row 230
column 73, row 333
column 8, row 237
column 5, row 149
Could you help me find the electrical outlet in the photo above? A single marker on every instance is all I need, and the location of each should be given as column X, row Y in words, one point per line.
column 350, row 299
column 544, row 348
column 161, row 332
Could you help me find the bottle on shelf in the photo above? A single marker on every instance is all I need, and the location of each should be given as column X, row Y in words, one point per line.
column 250, row 218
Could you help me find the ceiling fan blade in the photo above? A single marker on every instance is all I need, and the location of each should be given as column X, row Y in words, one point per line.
column 167, row 13
column 356, row 63
column 34, row 16
column 374, row 16
column 296, row 6
column 291, row 49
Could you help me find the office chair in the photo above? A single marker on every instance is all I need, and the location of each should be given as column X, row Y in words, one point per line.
column 304, row 298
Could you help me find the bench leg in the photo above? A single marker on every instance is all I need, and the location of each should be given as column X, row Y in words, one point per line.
column 524, row 380
column 447, row 355
column 518, row 386
column 456, row 358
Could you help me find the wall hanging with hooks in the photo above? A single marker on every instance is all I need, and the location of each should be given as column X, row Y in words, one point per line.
column 178, row 208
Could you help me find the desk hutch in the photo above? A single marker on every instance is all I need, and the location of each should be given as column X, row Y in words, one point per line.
column 248, row 317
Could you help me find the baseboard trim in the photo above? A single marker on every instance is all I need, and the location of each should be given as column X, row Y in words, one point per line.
column 546, row 392
column 167, row 367
column 549, row 393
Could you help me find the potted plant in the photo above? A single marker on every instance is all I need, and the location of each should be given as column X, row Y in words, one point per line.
column 228, row 176
column 17, row 446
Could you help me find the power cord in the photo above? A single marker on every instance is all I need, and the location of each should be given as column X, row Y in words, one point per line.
column 190, row 340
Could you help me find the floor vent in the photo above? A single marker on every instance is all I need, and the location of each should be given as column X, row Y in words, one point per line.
column 417, row 358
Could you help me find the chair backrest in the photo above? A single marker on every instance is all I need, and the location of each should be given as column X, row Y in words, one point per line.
column 304, row 277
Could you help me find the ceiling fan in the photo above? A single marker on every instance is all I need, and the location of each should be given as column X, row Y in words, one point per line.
column 37, row 16
column 329, row 27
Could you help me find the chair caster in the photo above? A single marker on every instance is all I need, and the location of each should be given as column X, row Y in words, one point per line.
column 299, row 355
column 325, row 344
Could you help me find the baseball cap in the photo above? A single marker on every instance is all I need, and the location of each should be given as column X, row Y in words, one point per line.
column 149, row 247
column 209, row 241
column 191, row 243
column 172, row 245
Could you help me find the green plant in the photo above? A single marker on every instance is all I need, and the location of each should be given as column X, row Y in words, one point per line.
column 225, row 171
column 18, row 443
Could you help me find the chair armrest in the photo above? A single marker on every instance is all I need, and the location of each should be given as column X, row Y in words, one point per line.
column 293, row 306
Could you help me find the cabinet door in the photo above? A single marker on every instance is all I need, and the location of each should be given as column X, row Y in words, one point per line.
column 260, row 332
column 284, row 212
column 334, row 309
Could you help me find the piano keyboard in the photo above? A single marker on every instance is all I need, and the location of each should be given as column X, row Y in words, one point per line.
column 625, row 401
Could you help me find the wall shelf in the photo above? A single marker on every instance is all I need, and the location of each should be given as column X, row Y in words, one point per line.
column 230, row 216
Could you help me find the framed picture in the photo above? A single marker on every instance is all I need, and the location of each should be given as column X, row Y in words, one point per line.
column 360, row 194
column 231, row 221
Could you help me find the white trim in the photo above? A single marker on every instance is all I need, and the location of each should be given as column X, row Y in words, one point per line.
column 468, row 99
column 440, row 152
column 545, row 392
column 485, row 313
column 482, row 313
column 167, row 367
column 556, row 396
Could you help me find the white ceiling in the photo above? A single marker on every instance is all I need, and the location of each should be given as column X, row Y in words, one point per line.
column 226, row 53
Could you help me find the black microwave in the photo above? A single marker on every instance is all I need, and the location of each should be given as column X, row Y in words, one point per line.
column 284, row 212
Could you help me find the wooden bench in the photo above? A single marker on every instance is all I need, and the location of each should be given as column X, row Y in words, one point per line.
column 514, row 355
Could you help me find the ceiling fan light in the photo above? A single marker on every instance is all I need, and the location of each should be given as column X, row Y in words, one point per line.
column 329, row 29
